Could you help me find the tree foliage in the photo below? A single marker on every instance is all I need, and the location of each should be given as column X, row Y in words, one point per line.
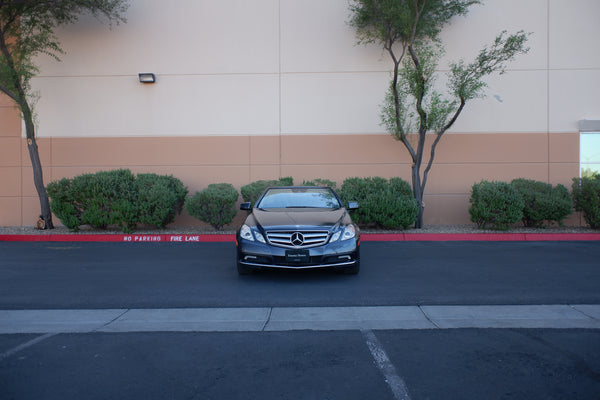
column 409, row 31
column 26, row 31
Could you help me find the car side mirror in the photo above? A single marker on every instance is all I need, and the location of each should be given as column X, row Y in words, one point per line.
column 352, row 205
column 246, row 206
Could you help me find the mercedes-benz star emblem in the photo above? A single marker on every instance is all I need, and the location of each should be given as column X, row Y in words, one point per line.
column 297, row 239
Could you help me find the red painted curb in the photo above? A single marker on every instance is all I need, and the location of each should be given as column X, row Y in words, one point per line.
column 365, row 237
column 133, row 238
column 486, row 237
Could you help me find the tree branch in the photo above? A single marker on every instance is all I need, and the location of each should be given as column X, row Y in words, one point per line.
column 437, row 140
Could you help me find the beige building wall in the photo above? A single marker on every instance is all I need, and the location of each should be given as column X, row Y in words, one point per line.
column 270, row 88
column 462, row 160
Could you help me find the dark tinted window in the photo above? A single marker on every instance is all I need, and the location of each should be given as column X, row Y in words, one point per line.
column 299, row 198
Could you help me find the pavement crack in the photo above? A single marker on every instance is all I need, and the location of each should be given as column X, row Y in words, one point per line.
column 427, row 317
column 581, row 312
column 268, row 319
column 112, row 320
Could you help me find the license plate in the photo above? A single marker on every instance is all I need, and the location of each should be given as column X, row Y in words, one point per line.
column 297, row 256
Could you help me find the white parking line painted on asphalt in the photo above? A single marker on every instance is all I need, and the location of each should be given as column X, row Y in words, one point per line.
column 394, row 381
column 299, row 318
column 25, row 345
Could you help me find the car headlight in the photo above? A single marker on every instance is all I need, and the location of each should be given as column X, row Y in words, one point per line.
column 349, row 232
column 259, row 237
column 336, row 236
column 345, row 233
column 248, row 234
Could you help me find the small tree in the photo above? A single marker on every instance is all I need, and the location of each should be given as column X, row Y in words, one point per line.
column 409, row 32
column 26, row 31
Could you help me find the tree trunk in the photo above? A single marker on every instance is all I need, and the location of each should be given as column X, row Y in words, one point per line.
column 418, row 193
column 38, row 181
column 38, row 176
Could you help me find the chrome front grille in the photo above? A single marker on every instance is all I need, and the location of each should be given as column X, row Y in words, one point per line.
column 297, row 239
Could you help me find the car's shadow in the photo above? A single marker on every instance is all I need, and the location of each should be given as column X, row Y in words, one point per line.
column 298, row 275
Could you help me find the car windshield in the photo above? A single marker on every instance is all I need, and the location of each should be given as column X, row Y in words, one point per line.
column 299, row 198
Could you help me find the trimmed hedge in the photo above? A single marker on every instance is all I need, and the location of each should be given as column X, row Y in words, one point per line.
column 387, row 204
column 320, row 182
column 586, row 196
column 252, row 191
column 160, row 199
column 214, row 205
column 495, row 204
column 116, row 197
column 542, row 202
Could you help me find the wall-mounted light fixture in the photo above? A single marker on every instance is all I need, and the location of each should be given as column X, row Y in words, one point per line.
column 147, row 77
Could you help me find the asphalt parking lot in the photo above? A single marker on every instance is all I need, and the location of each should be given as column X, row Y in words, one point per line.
column 470, row 320
column 198, row 275
column 461, row 364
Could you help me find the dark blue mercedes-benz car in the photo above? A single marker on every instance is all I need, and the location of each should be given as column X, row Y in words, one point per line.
column 298, row 227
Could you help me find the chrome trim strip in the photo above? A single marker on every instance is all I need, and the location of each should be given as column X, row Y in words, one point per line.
column 284, row 238
column 343, row 264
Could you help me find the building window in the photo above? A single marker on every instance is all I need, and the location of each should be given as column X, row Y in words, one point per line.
column 589, row 151
column 589, row 147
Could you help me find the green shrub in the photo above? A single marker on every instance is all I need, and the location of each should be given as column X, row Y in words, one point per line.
column 400, row 186
column 115, row 198
column 160, row 199
column 543, row 203
column 320, row 182
column 214, row 205
column 107, row 198
column 252, row 191
column 495, row 204
column 387, row 210
column 62, row 204
column 586, row 196
column 383, row 204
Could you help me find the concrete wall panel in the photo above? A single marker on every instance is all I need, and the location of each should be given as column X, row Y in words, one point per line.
column 573, row 37
column 182, row 37
column 173, row 106
column 332, row 103
column 573, row 97
column 10, row 151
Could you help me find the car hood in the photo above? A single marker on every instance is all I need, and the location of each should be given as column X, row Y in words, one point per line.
column 298, row 218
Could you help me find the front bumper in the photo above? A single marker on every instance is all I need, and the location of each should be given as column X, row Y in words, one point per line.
column 340, row 254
